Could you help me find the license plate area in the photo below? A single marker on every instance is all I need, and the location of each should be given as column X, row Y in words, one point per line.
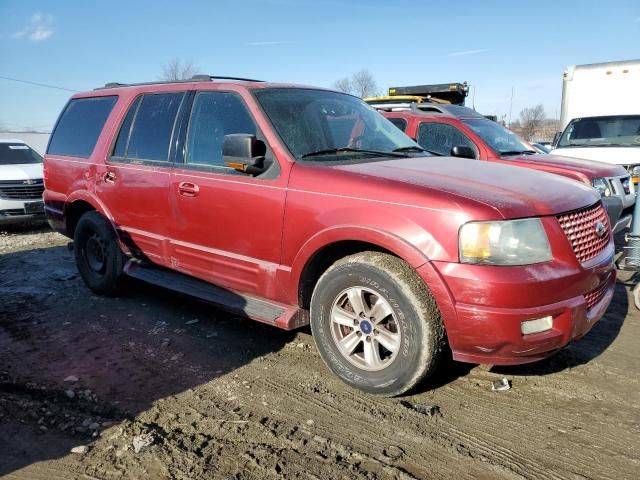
column 33, row 208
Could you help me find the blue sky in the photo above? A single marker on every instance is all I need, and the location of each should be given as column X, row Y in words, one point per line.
column 494, row 45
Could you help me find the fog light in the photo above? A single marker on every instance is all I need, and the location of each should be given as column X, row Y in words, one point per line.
column 536, row 326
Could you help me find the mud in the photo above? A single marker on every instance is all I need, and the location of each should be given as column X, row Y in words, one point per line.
column 160, row 395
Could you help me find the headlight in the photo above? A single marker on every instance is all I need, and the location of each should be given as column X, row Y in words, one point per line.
column 602, row 186
column 635, row 171
column 511, row 242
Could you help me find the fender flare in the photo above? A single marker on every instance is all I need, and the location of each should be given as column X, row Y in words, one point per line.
column 85, row 196
column 92, row 200
column 381, row 238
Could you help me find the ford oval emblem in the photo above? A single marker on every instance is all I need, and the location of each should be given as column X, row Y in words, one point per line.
column 601, row 230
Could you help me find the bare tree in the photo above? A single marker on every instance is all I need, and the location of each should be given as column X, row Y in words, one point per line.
column 531, row 120
column 363, row 84
column 177, row 69
column 343, row 85
column 360, row 83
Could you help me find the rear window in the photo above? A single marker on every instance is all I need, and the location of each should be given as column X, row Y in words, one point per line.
column 79, row 126
column 17, row 153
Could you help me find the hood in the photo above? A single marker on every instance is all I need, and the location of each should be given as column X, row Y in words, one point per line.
column 22, row 171
column 611, row 155
column 512, row 191
column 571, row 167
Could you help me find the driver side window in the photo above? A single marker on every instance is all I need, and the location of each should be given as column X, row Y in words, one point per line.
column 214, row 115
column 441, row 138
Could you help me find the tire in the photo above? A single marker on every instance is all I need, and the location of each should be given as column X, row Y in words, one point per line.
column 407, row 321
column 98, row 256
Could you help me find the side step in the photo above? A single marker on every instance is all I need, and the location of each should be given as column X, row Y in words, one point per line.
column 280, row 315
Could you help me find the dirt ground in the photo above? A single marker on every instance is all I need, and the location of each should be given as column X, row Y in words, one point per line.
column 156, row 385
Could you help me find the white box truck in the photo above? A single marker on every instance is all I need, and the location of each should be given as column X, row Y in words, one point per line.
column 600, row 118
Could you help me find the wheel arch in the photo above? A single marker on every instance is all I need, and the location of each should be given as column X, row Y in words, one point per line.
column 77, row 205
column 325, row 248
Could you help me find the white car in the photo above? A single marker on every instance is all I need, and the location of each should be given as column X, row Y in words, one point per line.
column 611, row 139
column 21, row 184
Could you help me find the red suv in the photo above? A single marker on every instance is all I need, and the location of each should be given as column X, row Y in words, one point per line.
column 460, row 131
column 295, row 204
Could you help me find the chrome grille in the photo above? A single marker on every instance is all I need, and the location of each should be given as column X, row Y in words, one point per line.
column 21, row 189
column 580, row 228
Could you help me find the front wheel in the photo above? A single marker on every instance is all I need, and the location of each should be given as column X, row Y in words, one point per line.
column 98, row 256
column 376, row 324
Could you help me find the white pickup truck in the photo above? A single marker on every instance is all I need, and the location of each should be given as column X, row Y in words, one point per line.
column 600, row 118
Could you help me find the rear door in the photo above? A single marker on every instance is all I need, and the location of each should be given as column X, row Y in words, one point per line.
column 134, row 182
column 227, row 226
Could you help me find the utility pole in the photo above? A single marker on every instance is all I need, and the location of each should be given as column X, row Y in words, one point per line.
column 473, row 99
column 511, row 106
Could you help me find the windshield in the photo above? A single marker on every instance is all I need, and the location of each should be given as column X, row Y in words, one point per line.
column 501, row 140
column 613, row 131
column 17, row 153
column 321, row 125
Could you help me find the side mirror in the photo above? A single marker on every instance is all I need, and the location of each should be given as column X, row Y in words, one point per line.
column 244, row 152
column 463, row 151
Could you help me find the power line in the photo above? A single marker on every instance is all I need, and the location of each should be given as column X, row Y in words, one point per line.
column 38, row 84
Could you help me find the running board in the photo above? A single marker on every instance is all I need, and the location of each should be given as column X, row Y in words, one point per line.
column 284, row 316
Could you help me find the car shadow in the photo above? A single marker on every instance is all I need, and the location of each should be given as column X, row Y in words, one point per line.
column 72, row 363
column 581, row 351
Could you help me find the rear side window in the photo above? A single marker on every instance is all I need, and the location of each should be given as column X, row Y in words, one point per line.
column 123, row 137
column 401, row 123
column 153, row 125
column 440, row 138
column 79, row 126
column 214, row 115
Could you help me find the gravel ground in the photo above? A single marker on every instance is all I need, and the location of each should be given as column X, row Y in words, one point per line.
column 156, row 385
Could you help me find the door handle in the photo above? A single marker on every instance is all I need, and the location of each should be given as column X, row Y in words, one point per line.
column 188, row 189
column 109, row 177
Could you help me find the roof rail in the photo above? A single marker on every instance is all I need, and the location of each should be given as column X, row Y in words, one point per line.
column 210, row 78
column 195, row 78
column 424, row 107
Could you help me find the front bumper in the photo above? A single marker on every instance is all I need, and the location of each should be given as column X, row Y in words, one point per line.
column 483, row 307
column 619, row 216
column 19, row 211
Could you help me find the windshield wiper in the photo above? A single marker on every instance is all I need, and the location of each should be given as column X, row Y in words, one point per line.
column 518, row 152
column 329, row 151
column 417, row 149
column 412, row 148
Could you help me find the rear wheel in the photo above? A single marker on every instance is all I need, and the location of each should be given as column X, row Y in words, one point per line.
column 376, row 324
column 98, row 256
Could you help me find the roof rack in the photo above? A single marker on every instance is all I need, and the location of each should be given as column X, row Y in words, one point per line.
column 210, row 78
column 195, row 78
column 453, row 93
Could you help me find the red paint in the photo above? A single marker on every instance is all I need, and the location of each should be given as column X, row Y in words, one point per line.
column 255, row 236
column 581, row 170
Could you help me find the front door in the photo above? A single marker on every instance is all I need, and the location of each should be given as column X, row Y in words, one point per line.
column 227, row 226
